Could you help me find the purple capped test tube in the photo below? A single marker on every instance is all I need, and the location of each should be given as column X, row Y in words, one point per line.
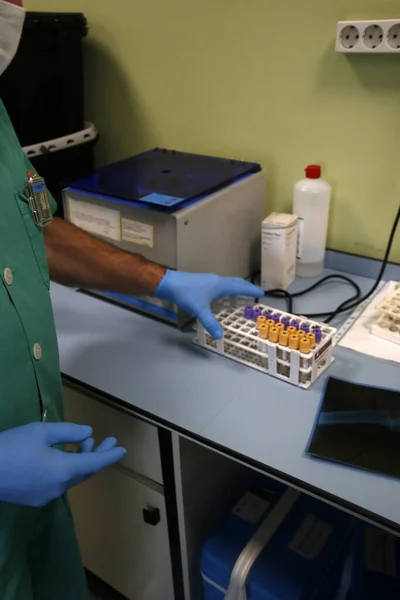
column 256, row 313
column 267, row 314
column 305, row 327
column 248, row 312
column 275, row 317
column 286, row 321
column 318, row 334
column 295, row 323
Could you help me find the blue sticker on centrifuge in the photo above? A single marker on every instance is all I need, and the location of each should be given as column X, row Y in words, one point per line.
column 161, row 199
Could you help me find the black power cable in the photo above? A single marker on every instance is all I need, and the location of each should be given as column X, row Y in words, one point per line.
column 348, row 304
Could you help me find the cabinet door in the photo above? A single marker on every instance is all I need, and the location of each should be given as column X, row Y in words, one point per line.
column 117, row 545
column 138, row 437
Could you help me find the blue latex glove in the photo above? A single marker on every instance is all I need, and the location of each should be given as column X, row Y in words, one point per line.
column 194, row 292
column 33, row 473
column 87, row 446
column 107, row 444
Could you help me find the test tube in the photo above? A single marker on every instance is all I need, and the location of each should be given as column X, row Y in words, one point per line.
column 304, row 345
column 305, row 349
column 305, row 377
column 263, row 331
column 305, row 327
column 284, row 369
column 301, row 333
column 291, row 330
column 256, row 313
column 248, row 312
column 273, row 334
column 311, row 338
column 271, row 323
column 284, row 342
column 261, row 320
column 285, row 320
column 275, row 317
column 294, row 341
column 280, row 327
column 267, row 314
column 295, row 323
column 318, row 334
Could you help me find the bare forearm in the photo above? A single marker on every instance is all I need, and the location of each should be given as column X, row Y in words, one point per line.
column 78, row 259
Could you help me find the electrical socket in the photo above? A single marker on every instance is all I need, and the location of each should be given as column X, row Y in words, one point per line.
column 374, row 37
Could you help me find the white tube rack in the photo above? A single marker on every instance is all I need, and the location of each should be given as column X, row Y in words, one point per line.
column 241, row 342
column 391, row 304
column 387, row 326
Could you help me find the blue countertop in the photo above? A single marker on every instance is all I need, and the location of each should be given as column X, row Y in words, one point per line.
column 157, row 370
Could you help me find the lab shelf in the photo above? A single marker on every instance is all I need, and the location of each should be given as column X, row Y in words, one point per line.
column 152, row 370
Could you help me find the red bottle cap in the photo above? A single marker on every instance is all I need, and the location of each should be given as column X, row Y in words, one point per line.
column 313, row 172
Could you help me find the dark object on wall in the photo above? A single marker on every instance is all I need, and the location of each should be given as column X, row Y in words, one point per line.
column 65, row 164
column 42, row 89
column 61, row 169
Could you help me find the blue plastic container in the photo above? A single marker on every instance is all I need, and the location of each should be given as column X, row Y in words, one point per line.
column 376, row 565
column 303, row 560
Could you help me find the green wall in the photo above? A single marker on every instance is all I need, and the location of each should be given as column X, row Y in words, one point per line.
column 253, row 79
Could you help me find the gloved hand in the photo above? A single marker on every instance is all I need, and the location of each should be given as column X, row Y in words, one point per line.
column 87, row 446
column 106, row 444
column 33, row 473
column 194, row 292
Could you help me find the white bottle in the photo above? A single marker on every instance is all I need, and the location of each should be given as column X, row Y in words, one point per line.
column 311, row 202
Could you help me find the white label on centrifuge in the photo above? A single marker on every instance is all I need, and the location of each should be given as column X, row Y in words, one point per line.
column 137, row 233
column 380, row 552
column 251, row 508
column 300, row 229
column 311, row 537
column 98, row 220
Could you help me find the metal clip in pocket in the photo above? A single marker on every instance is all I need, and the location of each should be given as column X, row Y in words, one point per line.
column 38, row 198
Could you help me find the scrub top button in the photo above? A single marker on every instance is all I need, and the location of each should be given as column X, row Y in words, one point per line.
column 37, row 351
column 8, row 276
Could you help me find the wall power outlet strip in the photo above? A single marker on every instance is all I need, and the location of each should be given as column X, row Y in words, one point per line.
column 373, row 37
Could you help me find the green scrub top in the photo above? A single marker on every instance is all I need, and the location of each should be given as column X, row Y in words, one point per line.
column 39, row 555
column 30, row 382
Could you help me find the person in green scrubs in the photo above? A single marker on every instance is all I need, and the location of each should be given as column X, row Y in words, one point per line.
column 39, row 555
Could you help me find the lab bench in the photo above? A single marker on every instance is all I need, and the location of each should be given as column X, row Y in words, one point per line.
column 198, row 428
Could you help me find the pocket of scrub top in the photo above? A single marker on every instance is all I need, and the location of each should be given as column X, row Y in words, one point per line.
column 35, row 235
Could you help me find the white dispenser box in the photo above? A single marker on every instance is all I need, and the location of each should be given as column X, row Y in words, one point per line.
column 278, row 250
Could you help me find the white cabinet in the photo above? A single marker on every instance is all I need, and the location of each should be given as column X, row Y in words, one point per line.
column 139, row 438
column 116, row 543
column 120, row 513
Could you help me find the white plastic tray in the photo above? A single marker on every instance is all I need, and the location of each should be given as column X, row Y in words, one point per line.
column 391, row 305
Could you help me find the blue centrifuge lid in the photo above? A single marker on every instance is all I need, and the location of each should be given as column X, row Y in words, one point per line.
column 165, row 179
